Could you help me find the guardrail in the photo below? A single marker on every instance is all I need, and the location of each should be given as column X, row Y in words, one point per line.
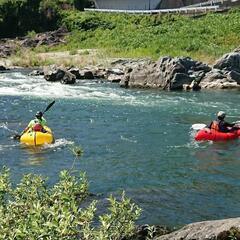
column 211, row 3
column 184, row 10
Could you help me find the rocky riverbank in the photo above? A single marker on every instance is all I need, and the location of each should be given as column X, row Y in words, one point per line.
column 167, row 73
column 227, row 229
column 9, row 47
column 180, row 73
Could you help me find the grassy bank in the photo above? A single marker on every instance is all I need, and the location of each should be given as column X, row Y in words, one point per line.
column 122, row 35
column 204, row 38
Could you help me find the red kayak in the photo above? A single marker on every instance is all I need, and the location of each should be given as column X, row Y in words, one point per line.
column 207, row 134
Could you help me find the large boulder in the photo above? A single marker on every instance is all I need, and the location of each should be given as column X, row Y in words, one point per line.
column 87, row 74
column 81, row 73
column 230, row 61
column 167, row 73
column 208, row 230
column 218, row 79
column 3, row 68
column 233, row 75
column 56, row 74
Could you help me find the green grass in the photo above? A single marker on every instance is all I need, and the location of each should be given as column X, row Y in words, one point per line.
column 204, row 38
column 122, row 35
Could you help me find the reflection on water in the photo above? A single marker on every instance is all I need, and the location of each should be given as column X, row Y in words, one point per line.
column 218, row 151
column 35, row 155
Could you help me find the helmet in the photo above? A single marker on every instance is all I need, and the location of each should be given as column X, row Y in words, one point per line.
column 39, row 115
column 221, row 114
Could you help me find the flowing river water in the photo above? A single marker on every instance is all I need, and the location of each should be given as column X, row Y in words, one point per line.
column 139, row 141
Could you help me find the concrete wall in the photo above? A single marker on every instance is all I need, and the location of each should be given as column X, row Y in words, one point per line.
column 127, row 4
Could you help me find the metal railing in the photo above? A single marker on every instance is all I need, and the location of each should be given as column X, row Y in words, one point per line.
column 184, row 10
column 211, row 3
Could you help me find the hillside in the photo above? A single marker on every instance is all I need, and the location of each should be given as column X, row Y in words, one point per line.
column 121, row 35
column 203, row 38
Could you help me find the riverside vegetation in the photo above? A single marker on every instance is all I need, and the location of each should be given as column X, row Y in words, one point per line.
column 32, row 210
column 204, row 38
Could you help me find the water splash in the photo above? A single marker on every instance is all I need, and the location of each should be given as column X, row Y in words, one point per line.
column 128, row 139
column 5, row 127
column 58, row 144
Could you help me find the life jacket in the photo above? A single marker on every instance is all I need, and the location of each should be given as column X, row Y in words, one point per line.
column 37, row 127
column 215, row 125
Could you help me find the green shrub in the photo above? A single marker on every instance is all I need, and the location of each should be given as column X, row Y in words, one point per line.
column 31, row 34
column 32, row 210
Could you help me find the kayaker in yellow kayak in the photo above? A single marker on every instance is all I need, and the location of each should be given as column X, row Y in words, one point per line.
column 36, row 124
column 37, row 132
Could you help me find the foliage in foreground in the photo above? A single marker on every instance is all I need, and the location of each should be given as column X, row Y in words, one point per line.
column 31, row 210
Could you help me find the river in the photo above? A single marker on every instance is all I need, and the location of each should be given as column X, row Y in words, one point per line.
column 139, row 141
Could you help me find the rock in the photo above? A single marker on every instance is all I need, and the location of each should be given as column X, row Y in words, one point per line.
column 48, row 38
column 115, row 71
column 193, row 86
column 100, row 73
column 217, row 79
column 230, row 61
column 87, row 74
column 208, row 230
column 68, row 78
column 198, row 75
column 146, row 231
column 54, row 74
column 36, row 73
column 114, row 74
column 123, row 64
column 167, row 73
column 7, row 48
column 2, row 68
column 179, row 80
column 233, row 75
column 76, row 72
column 114, row 78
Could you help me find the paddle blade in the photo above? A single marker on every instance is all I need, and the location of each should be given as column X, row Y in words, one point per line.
column 49, row 106
column 198, row 126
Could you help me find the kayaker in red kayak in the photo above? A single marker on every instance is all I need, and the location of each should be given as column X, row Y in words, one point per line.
column 221, row 125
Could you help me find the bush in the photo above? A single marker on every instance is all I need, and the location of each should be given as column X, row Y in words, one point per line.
column 32, row 210
column 75, row 20
column 17, row 17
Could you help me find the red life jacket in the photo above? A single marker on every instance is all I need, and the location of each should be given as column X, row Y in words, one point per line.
column 215, row 125
column 37, row 127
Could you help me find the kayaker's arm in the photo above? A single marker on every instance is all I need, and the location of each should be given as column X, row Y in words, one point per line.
column 210, row 125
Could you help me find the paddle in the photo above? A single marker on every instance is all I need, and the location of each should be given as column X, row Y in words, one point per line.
column 18, row 136
column 198, row 126
column 48, row 107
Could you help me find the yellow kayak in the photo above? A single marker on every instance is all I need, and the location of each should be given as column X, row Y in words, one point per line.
column 37, row 138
